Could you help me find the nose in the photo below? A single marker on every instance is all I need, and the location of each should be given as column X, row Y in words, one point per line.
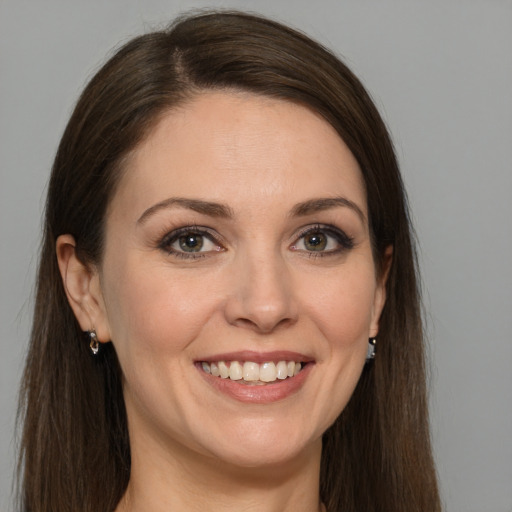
column 262, row 295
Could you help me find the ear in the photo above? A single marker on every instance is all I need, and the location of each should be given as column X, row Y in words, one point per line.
column 83, row 289
column 380, row 291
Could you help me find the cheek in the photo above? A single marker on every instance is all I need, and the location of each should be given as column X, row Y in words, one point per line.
column 341, row 309
column 153, row 313
column 344, row 308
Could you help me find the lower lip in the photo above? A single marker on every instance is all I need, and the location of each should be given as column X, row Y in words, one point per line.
column 259, row 394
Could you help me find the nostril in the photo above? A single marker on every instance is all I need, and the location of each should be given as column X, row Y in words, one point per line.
column 262, row 297
column 264, row 326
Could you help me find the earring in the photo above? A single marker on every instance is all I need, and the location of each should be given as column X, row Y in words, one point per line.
column 94, row 344
column 370, row 355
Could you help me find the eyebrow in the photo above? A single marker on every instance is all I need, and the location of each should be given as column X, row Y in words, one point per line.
column 326, row 203
column 213, row 209
column 205, row 207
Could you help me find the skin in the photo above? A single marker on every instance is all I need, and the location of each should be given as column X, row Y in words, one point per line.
column 257, row 284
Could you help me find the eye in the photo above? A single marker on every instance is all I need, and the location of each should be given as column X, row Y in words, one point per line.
column 190, row 243
column 323, row 241
column 316, row 241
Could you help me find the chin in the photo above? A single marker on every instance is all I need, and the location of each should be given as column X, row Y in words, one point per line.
column 265, row 444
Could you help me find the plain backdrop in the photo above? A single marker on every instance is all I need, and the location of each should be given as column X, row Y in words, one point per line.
column 440, row 72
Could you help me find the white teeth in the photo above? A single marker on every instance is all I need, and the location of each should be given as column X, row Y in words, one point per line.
column 235, row 370
column 268, row 372
column 214, row 369
column 252, row 372
column 282, row 370
column 224, row 370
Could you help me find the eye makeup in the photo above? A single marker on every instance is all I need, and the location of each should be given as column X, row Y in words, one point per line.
column 194, row 242
column 190, row 242
column 322, row 240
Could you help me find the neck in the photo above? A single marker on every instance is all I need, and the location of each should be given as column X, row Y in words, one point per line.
column 178, row 479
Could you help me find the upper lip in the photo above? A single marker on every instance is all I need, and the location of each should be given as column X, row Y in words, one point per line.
column 258, row 357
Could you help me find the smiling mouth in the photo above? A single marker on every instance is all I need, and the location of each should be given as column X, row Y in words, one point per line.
column 252, row 373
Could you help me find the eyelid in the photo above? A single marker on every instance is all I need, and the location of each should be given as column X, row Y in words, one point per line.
column 345, row 241
column 172, row 236
column 165, row 242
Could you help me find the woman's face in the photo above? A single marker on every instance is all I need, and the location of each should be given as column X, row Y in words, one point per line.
column 239, row 234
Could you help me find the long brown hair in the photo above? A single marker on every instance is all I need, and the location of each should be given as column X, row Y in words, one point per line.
column 75, row 453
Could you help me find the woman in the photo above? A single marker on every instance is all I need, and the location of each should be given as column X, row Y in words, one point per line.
column 227, row 311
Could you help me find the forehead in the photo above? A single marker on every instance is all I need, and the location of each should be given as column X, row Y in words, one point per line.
column 240, row 148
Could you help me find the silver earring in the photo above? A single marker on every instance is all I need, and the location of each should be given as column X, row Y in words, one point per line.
column 370, row 355
column 94, row 344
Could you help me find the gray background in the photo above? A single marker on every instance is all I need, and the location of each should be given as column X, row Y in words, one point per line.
column 441, row 73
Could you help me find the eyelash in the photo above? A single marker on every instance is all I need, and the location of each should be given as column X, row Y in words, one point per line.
column 170, row 238
column 344, row 241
